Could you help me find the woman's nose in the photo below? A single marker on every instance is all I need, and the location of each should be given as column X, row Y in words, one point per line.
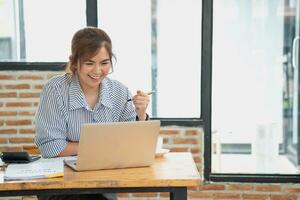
column 98, row 68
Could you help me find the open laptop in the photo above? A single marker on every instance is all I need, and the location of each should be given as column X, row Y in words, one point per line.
column 116, row 145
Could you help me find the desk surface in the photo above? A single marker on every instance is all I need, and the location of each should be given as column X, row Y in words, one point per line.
column 174, row 169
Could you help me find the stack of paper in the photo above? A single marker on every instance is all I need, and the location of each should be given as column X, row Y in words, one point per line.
column 42, row 168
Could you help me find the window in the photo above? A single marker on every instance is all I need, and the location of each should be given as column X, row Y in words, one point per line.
column 158, row 48
column 160, row 42
column 39, row 31
column 254, row 92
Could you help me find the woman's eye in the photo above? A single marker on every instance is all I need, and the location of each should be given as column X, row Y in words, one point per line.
column 88, row 63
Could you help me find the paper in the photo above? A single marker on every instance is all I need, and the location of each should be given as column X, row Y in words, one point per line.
column 1, row 177
column 42, row 168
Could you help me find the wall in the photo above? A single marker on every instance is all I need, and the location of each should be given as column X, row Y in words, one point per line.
column 19, row 97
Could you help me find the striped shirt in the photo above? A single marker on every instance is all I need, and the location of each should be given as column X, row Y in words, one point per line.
column 63, row 109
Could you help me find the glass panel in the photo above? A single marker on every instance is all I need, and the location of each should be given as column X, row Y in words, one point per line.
column 7, row 30
column 292, row 80
column 178, row 58
column 39, row 31
column 252, row 86
column 157, row 44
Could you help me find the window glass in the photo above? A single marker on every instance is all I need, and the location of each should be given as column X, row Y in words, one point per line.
column 39, row 31
column 254, row 87
column 158, row 47
column 7, row 30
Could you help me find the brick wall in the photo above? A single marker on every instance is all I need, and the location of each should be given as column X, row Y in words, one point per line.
column 19, row 97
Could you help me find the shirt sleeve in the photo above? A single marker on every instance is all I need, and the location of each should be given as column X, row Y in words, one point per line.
column 51, row 126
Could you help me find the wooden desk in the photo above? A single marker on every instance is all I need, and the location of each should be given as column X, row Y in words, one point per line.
column 172, row 173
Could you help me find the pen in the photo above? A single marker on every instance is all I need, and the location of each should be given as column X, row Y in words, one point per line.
column 148, row 93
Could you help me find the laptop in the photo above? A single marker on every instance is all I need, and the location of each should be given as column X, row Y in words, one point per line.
column 116, row 145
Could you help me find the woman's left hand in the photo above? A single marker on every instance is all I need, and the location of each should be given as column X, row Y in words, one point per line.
column 141, row 101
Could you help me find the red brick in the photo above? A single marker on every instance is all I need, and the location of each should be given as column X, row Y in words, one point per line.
column 18, row 104
column 18, row 122
column 8, row 113
column 29, row 95
column 169, row 132
column 7, row 77
column 255, row 196
column 201, row 195
column 8, row 131
column 3, row 140
column 212, row 187
column 268, row 188
column 27, row 131
column 21, row 140
column 195, row 150
column 185, row 141
column 191, row 132
column 179, row 149
column 293, row 190
column 193, row 188
column 10, row 149
column 164, row 194
column 39, row 86
column 17, row 86
column 27, row 113
column 243, row 187
column 227, row 196
column 30, row 77
column 283, row 197
column 8, row 94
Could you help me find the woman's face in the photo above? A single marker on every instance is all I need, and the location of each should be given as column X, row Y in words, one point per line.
column 93, row 70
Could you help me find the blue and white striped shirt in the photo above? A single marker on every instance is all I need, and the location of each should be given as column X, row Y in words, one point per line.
column 63, row 109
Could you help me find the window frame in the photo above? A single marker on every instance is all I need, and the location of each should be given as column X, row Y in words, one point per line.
column 91, row 20
column 206, row 105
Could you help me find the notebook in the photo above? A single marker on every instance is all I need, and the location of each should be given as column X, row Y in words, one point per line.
column 116, row 145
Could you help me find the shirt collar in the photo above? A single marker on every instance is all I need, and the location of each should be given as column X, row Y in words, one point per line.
column 77, row 98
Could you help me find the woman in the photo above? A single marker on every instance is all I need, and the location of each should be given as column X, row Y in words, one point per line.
column 83, row 95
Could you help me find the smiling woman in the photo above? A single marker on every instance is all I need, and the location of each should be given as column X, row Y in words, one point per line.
column 84, row 95
column 91, row 58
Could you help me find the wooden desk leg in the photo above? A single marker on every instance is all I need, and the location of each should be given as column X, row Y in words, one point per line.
column 179, row 194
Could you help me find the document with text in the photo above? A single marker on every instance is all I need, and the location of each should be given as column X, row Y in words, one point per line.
column 42, row 168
